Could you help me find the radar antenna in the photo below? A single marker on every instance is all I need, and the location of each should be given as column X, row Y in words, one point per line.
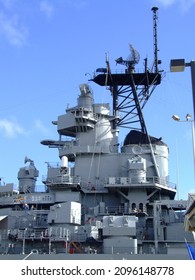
column 26, row 159
column 131, row 60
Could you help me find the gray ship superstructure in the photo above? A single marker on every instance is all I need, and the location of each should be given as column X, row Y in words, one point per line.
column 101, row 199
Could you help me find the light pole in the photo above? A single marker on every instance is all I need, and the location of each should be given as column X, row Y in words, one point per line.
column 178, row 65
column 188, row 119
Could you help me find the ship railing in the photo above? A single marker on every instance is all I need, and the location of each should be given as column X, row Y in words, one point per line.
column 86, row 112
column 126, row 181
column 90, row 187
column 71, row 144
column 118, row 249
column 63, row 233
column 31, row 210
column 54, row 234
column 161, row 181
column 113, row 210
column 62, row 179
column 115, row 71
column 14, row 234
column 78, row 237
column 28, row 233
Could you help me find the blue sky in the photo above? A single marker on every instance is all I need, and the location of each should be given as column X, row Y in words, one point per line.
column 46, row 49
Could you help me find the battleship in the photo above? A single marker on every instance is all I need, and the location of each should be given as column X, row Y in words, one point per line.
column 102, row 200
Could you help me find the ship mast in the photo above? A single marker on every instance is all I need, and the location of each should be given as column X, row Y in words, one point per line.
column 131, row 90
column 155, row 19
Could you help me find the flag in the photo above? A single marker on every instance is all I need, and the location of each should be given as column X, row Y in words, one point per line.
column 191, row 251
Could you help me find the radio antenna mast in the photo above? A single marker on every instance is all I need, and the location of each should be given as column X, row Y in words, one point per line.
column 155, row 19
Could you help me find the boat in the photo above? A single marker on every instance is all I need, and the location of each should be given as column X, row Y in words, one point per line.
column 102, row 200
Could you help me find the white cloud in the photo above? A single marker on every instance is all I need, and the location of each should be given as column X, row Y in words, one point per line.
column 10, row 128
column 167, row 2
column 47, row 9
column 40, row 127
column 184, row 4
column 10, row 28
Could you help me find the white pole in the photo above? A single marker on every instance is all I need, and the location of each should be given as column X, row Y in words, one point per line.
column 192, row 66
column 193, row 144
column 177, row 167
column 23, row 243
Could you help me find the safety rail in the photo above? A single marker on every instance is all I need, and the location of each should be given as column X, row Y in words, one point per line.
column 61, row 179
column 139, row 180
